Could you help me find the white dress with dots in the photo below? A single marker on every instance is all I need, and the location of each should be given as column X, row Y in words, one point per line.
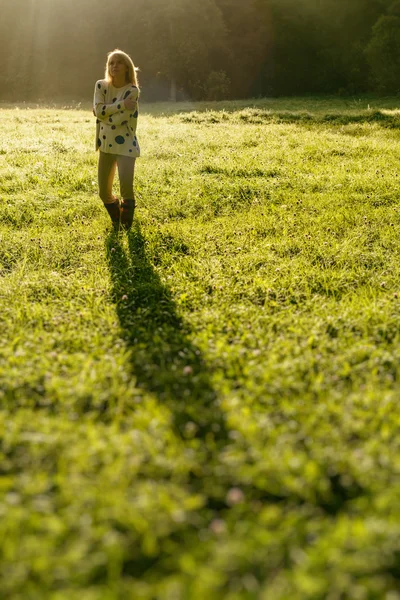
column 116, row 127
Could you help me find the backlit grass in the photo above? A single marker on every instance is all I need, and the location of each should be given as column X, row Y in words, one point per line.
column 208, row 406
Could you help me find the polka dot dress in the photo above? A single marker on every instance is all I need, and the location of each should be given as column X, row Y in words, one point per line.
column 116, row 127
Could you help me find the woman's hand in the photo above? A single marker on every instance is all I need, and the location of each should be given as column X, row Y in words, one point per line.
column 129, row 103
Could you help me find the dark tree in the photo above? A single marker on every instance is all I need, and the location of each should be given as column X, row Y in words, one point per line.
column 383, row 53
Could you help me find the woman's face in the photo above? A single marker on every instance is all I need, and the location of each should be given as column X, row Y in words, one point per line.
column 117, row 67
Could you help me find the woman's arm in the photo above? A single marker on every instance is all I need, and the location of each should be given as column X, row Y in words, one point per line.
column 105, row 111
column 131, row 98
column 130, row 105
column 112, row 113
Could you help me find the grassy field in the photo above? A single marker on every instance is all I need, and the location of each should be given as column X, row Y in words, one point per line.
column 206, row 408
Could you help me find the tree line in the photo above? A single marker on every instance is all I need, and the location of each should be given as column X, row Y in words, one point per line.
column 201, row 49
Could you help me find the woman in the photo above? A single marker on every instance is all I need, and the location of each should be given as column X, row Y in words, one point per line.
column 115, row 107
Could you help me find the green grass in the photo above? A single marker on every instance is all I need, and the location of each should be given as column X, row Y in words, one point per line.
column 208, row 406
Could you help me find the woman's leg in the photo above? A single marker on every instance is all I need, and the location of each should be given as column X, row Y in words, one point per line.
column 106, row 173
column 126, row 172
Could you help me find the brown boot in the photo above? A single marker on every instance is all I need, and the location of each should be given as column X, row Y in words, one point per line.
column 127, row 212
column 114, row 212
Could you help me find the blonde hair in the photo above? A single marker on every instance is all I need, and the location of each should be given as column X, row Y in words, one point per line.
column 131, row 74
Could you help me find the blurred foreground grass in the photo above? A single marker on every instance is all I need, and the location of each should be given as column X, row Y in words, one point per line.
column 208, row 407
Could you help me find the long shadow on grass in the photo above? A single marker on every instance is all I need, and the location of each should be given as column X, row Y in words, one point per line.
column 166, row 363
column 163, row 359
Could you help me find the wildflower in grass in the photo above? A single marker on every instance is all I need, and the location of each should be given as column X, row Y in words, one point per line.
column 190, row 429
column 217, row 526
column 234, row 496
